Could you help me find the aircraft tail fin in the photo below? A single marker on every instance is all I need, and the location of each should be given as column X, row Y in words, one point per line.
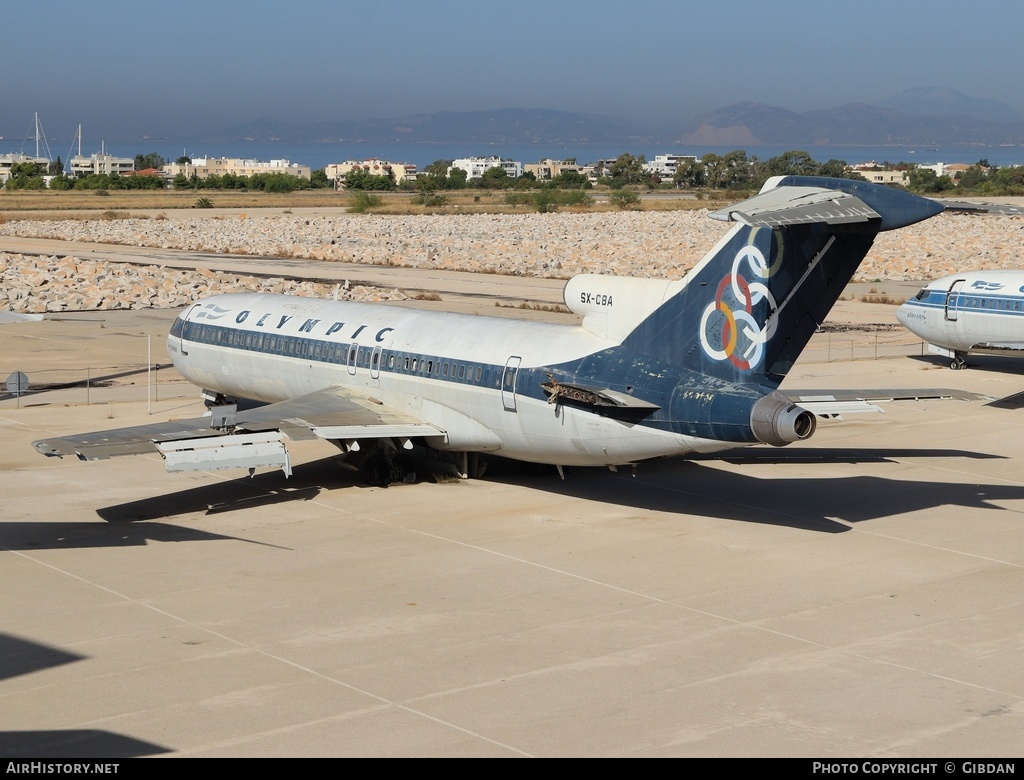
column 748, row 309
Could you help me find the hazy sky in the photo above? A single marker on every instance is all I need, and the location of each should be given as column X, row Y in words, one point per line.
column 125, row 68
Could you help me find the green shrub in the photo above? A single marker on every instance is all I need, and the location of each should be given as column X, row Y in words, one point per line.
column 624, row 199
column 361, row 201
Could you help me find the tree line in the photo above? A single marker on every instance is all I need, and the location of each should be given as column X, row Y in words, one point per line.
column 734, row 171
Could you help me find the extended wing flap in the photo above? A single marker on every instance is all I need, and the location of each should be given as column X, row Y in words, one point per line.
column 136, row 440
column 252, row 438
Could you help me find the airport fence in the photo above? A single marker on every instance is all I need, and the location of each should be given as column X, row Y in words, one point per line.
column 868, row 342
column 87, row 385
column 160, row 382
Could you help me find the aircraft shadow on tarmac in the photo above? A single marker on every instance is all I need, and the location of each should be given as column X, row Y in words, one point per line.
column 1015, row 401
column 676, row 486
column 999, row 364
column 21, row 656
column 115, row 532
column 826, row 504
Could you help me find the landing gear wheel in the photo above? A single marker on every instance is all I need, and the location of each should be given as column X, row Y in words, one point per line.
column 382, row 468
column 375, row 470
column 959, row 362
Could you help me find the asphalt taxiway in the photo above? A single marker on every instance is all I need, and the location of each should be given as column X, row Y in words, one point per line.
column 859, row 594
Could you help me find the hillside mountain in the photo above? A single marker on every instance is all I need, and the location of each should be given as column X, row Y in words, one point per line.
column 852, row 124
column 940, row 101
column 509, row 126
column 923, row 116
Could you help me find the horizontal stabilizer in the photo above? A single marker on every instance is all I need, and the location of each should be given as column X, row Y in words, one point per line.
column 798, row 205
column 831, row 408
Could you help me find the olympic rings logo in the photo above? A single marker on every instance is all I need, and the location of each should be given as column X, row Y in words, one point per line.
column 728, row 328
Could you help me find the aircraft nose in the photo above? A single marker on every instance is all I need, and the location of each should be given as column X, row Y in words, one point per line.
column 901, row 313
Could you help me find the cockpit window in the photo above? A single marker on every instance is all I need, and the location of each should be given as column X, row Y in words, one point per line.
column 177, row 327
column 922, row 295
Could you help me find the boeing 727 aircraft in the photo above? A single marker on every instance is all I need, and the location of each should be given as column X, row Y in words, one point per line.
column 980, row 311
column 656, row 368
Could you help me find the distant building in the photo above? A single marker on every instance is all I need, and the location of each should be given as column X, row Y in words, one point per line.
column 146, row 172
column 595, row 171
column 101, row 162
column 402, row 172
column 946, row 169
column 874, row 173
column 475, row 167
column 8, row 161
column 550, row 169
column 665, row 165
column 204, row 167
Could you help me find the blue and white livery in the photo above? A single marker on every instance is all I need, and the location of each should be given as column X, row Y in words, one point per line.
column 656, row 368
column 978, row 311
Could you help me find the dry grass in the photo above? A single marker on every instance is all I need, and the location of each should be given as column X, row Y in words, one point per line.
column 875, row 296
column 531, row 306
column 22, row 204
column 62, row 205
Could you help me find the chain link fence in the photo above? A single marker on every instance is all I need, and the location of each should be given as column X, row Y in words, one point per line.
column 86, row 385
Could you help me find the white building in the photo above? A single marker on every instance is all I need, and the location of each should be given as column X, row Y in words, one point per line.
column 665, row 165
column 8, row 161
column 204, row 167
column 476, row 166
column 101, row 162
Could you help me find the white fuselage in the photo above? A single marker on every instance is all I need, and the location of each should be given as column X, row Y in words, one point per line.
column 463, row 374
column 979, row 311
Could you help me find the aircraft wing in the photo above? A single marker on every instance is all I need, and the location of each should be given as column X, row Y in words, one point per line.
column 250, row 438
column 998, row 347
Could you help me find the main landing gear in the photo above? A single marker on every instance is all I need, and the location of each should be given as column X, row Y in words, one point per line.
column 383, row 462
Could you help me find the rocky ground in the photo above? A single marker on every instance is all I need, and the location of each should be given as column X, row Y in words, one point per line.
column 631, row 243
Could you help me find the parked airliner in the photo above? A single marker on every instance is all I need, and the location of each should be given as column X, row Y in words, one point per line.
column 656, row 368
column 978, row 311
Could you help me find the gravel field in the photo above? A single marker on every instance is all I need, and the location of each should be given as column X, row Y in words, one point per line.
column 630, row 243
